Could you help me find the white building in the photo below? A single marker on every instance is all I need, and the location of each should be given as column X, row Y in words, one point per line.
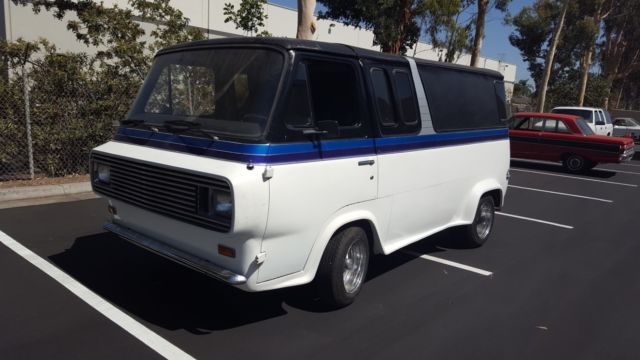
column 20, row 22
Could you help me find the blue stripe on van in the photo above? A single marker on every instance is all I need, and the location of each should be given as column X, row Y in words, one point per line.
column 307, row 151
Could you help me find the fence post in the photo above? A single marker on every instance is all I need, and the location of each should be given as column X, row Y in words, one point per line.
column 27, row 115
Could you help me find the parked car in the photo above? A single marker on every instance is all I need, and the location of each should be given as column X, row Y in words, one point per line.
column 627, row 127
column 596, row 118
column 565, row 138
column 271, row 162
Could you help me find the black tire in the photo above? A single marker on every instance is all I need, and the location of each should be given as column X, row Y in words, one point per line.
column 478, row 232
column 574, row 163
column 332, row 287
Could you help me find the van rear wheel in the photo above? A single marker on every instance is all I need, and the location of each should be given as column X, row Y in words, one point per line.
column 343, row 267
column 477, row 233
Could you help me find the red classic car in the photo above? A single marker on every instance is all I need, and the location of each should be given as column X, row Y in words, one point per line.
column 565, row 138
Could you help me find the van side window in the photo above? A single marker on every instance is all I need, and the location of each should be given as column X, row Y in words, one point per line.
column 298, row 113
column 334, row 92
column 406, row 98
column 462, row 100
column 382, row 92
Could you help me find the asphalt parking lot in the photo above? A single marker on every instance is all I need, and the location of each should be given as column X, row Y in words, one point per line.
column 559, row 279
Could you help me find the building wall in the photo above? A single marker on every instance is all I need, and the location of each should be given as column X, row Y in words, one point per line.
column 21, row 22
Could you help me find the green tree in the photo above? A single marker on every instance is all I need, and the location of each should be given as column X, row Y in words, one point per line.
column 249, row 16
column 620, row 50
column 124, row 45
column 449, row 27
column 394, row 22
column 522, row 88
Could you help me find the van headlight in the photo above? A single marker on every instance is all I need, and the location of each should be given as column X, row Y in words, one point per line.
column 103, row 173
column 214, row 203
column 222, row 204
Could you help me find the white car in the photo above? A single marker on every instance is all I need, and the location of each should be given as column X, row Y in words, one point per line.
column 271, row 162
column 626, row 126
column 595, row 118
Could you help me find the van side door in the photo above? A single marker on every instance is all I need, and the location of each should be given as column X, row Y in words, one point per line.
column 320, row 173
column 406, row 173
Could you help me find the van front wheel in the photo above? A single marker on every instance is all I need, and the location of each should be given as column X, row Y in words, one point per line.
column 479, row 230
column 343, row 267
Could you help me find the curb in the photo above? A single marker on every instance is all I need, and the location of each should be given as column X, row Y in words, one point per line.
column 31, row 192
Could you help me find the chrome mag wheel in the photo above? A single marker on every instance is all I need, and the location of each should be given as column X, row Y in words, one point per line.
column 354, row 267
column 485, row 220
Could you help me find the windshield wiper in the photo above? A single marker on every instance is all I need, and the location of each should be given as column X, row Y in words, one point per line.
column 136, row 123
column 184, row 126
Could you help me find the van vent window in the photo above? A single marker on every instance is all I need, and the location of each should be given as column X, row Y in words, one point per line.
column 298, row 109
column 406, row 98
column 462, row 100
column 383, row 100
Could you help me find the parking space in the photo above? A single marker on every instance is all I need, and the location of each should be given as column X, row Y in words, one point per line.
column 535, row 290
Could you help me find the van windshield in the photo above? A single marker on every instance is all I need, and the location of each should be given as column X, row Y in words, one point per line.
column 216, row 91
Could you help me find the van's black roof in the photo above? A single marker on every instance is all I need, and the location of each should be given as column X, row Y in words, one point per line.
column 318, row 46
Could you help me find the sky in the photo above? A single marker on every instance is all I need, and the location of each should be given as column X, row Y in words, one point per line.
column 496, row 41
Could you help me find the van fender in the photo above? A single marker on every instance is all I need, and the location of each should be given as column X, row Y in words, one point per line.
column 342, row 217
column 468, row 210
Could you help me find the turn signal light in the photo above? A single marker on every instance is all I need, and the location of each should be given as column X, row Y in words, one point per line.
column 226, row 251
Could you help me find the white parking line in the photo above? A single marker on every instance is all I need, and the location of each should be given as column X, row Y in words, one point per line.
column 626, row 164
column 574, row 177
column 618, row 171
column 534, row 220
column 561, row 193
column 139, row 331
column 450, row 263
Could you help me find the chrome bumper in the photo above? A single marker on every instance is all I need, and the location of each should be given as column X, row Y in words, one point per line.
column 176, row 255
column 628, row 154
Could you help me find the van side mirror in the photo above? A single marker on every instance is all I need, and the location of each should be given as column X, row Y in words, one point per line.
column 326, row 128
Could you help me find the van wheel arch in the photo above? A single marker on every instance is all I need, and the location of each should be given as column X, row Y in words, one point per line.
column 370, row 230
column 496, row 194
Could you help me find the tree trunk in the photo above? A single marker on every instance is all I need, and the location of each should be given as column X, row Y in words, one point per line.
column 306, row 25
column 548, row 63
column 479, row 35
column 584, row 76
column 586, row 59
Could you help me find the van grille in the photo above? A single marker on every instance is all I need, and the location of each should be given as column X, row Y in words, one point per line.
column 165, row 191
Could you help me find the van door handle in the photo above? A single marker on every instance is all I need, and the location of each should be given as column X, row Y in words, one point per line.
column 366, row 162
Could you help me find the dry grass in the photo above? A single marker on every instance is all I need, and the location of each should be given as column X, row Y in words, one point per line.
column 44, row 181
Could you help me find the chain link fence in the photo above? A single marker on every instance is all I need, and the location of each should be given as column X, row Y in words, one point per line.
column 51, row 118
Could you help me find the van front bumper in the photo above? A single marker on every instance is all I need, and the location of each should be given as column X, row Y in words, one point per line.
column 176, row 255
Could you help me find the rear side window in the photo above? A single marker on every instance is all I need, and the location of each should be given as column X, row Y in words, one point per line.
column 382, row 92
column 395, row 100
column 462, row 100
column 406, row 98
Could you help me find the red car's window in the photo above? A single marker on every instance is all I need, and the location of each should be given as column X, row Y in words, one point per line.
column 550, row 125
column 562, row 127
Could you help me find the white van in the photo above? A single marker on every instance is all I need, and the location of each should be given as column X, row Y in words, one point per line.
column 268, row 163
column 599, row 122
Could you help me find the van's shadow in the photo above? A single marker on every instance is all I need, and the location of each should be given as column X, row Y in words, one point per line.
column 173, row 297
column 557, row 168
